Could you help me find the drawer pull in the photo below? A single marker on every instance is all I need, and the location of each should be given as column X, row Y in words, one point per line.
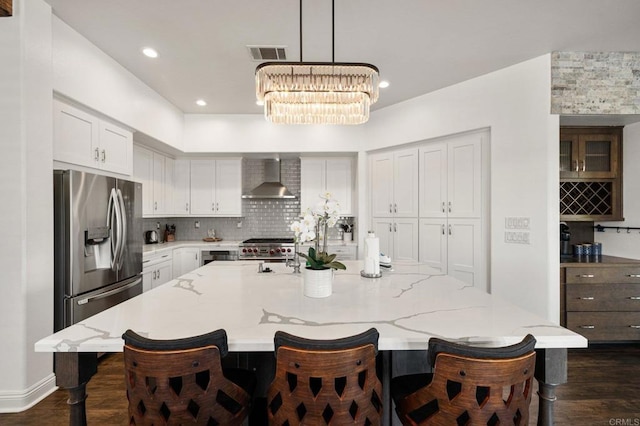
column 634, row 326
column 585, row 276
column 633, row 275
column 586, row 298
column 587, row 326
column 634, row 297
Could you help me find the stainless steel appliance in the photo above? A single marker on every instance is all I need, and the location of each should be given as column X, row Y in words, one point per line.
column 209, row 256
column 151, row 237
column 97, row 244
column 266, row 249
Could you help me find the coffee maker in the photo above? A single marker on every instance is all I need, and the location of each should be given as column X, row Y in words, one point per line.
column 565, row 237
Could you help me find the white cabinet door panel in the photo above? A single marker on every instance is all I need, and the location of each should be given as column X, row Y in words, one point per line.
column 158, row 183
column 405, row 183
column 143, row 172
column 115, row 148
column 433, row 180
column 465, row 176
column 433, row 243
column 181, row 187
column 202, row 187
column 228, row 188
column 312, row 182
column 382, row 185
column 74, row 134
column 338, row 178
column 464, row 245
column 405, row 239
column 383, row 229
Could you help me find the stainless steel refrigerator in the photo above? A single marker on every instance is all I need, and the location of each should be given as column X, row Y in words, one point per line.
column 97, row 244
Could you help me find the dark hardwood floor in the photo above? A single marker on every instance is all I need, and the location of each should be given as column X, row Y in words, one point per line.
column 603, row 389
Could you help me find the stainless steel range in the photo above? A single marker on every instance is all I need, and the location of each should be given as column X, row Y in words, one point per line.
column 267, row 249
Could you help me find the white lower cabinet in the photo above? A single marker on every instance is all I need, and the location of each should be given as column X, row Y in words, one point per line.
column 453, row 247
column 344, row 252
column 185, row 260
column 156, row 270
column 398, row 237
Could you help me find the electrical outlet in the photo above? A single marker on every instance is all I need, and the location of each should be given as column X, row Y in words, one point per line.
column 239, row 224
column 197, row 224
column 157, row 225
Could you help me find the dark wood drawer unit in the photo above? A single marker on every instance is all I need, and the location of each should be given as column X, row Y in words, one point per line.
column 603, row 297
column 602, row 302
column 605, row 326
column 612, row 274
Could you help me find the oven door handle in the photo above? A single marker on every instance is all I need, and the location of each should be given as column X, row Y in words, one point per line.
column 110, row 293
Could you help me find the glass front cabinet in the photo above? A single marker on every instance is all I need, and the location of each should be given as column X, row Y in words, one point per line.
column 591, row 173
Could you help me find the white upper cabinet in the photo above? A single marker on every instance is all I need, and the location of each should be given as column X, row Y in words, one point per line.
column 394, row 184
column 85, row 140
column 450, row 177
column 155, row 172
column 216, row 187
column 181, row 187
column 321, row 175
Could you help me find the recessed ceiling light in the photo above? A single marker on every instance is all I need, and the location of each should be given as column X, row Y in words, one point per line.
column 260, row 103
column 383, row 84
column 201, row 102
column 150, row 52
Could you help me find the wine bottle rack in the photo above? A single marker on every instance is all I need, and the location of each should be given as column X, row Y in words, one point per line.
column 592, row 198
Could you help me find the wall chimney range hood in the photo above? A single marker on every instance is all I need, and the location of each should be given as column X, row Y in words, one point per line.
column 271, row 187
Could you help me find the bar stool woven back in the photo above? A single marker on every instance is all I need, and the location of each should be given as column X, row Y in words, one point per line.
column 320, row 382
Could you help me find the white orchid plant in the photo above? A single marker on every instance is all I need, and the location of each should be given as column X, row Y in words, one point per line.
column 323, row 216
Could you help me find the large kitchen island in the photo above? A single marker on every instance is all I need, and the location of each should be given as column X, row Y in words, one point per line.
column 408, row 305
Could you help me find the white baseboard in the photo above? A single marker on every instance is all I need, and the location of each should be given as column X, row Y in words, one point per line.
column 15, row 402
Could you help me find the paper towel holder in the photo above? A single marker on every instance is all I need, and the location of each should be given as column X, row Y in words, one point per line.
column 365, row 275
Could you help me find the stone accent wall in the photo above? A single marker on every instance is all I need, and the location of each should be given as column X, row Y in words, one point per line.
column 595, row 83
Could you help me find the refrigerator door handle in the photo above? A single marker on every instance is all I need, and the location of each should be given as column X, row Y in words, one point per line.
column 109, row 293
column 114, row 220
column 123, row 234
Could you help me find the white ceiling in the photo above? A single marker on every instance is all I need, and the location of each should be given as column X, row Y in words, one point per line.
column 418, row 45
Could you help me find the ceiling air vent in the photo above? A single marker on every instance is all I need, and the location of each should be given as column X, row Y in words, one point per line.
column 267, row 53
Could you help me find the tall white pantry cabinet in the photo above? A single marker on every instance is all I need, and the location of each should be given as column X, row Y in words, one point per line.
column 427, row 204
column 394, row 202
column 451, row 188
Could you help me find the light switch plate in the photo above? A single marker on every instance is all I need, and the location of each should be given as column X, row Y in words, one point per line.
column 516, row 237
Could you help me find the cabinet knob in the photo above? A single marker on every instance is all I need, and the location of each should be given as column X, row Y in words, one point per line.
column 587, row 326
column 586, row 298
column 97, row 154
column 186, row 207
column 390, row 208
column 449, row 206
column 104, row 155
column 395, row 208
column 585, row 276
column 450, row 231
column 443, row 229
column 443, row 211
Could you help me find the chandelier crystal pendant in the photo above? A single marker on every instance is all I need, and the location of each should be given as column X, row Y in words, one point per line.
column 317, row 92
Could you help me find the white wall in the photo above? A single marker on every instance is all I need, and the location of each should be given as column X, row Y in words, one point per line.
column 253, row 133
column 26, row 258
column 623, row 244
column 514, row 103
column 87, row 75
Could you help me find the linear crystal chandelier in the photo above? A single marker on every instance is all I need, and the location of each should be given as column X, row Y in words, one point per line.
column 317, row 92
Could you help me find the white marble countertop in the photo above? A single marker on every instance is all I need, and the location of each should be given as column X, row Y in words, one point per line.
column 407, row 306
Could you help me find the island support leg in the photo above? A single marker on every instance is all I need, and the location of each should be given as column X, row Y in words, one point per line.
column 73, row 371
column 551, row 371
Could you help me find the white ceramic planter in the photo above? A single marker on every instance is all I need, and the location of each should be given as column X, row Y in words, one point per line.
column 317, row 282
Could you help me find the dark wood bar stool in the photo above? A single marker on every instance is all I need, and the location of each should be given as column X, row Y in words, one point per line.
column 469, row 386
column 320, row 382
column 179, row 382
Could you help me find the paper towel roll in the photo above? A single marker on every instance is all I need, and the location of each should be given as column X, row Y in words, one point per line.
column 372, row 254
